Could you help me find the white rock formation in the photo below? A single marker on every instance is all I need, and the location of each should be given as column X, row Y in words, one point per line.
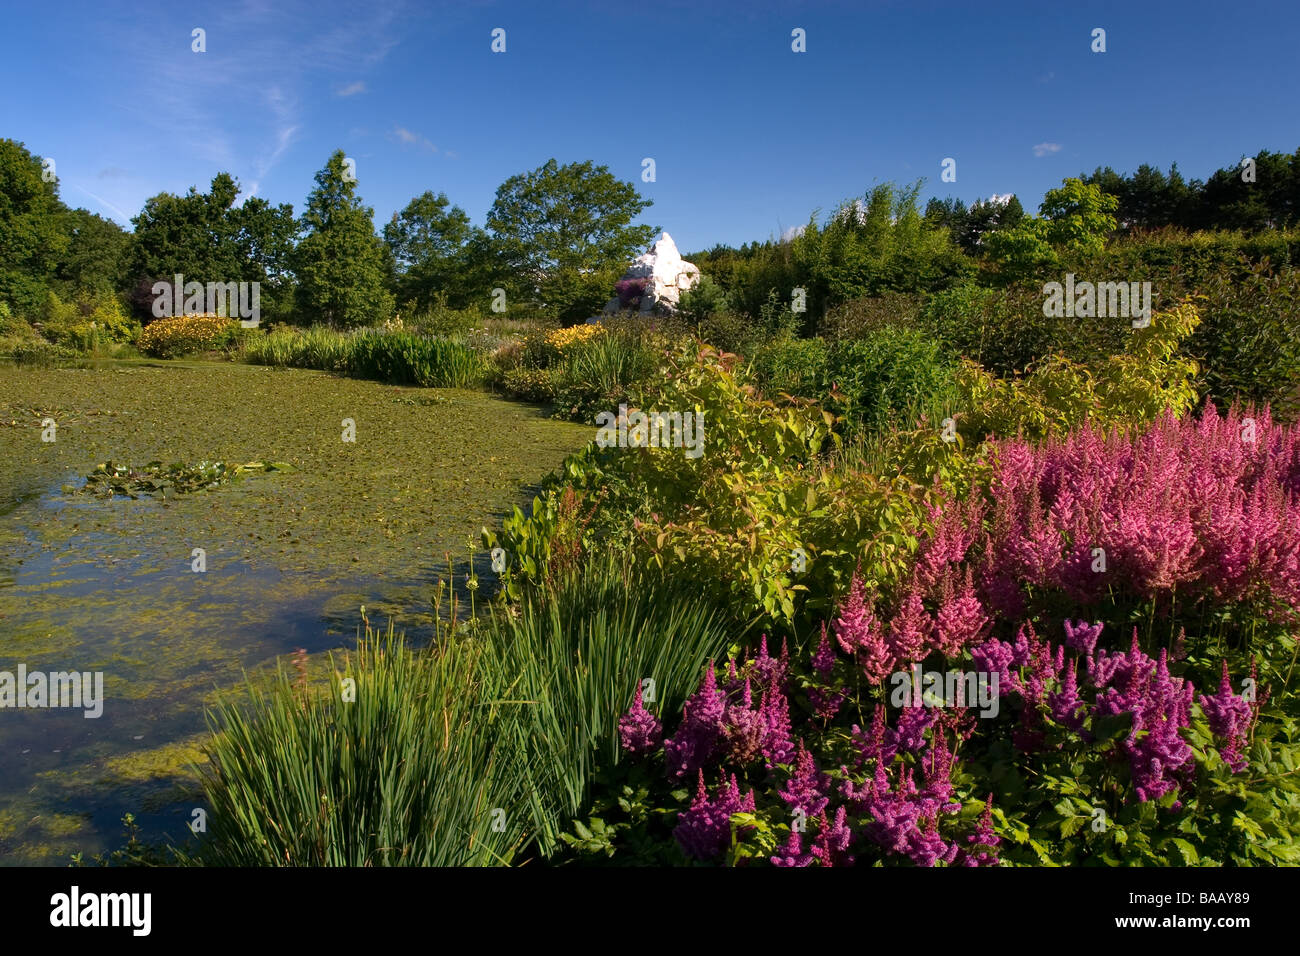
column 667, row 276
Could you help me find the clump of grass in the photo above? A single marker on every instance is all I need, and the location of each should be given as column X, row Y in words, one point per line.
column 400, row 767
column 476, row 751
column 388, row 355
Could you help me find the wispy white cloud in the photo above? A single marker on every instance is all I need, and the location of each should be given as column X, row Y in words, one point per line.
column 407, row 138
column 238, row 106
column 1047, row 149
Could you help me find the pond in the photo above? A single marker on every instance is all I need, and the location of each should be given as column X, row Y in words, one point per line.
column 95, row 584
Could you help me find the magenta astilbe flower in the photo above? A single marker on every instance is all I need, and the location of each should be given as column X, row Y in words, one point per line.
column 875, row 744
column 806, row 788
column 1065, row 703
column 778, row 745
column 638, row 730
column 998, row 657
column 863, row 796
column 1121, row 679
column 831, row 844
column 1230, row 717
column 858, row 632
column 984, row 841
column 1156, row 749
column 826, row 701
column 704, row 830
column 698, row 738
column 792, row 854
column 1082, row 636
column 766, row 667
column 913, row 722
column 927, row 848
column 823, row 660
column 936, row 796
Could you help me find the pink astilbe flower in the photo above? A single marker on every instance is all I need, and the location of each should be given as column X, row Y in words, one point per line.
column 910, row 628
column 998, row 657
column 806, row 788
column 704, row 830
column 1082, row 636
column 823, row 660
column 778, row 745
column 792, row 854
column 961, row 618
column 984, row 841
column 913, row 722
column 766, row 667
column 875, row 744
column 1230, row 717
column 830, row 847
column 638, row 730
column 858, row 632
column 1065, row 703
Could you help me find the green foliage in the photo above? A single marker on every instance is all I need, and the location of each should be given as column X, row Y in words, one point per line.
column 207, row 238
column 792, row 366
column 414, row 771
column 565, row 231
column 341, row 265
column 705, row 300
column 399, row 358
column 1005, row 330
column 427, row 243
column 501, row 728
column 93, row 319
column 1076, row 219
column 858, row 318
column 1249, row 340
column 98, row 253
column 733, row 517
column 1127, row 389
column 32, row 233
column 573, row 658
column 112, row 479
column 893, row 371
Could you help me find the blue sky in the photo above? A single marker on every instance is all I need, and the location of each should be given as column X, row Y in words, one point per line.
column 748, row 137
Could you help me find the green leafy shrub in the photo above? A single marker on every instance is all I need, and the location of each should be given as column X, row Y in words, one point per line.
column 893, row 371
column 793, row 366
column 858, row 318
column 705, row 300
column 87, row 322
column 1057, row 394
column 1248, row 342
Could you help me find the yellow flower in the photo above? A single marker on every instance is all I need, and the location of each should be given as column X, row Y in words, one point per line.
column 563, row 338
